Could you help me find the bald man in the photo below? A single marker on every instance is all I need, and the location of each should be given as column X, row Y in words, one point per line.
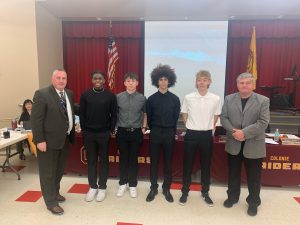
column 52, row 121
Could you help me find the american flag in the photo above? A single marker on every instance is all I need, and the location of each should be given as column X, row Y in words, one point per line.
column 112, row 59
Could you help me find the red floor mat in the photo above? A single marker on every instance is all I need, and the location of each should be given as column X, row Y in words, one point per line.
column 121, row 223
column 297, row 199
column 30, row 196
column 17, row 168
column 79, row 188
column 193, row 187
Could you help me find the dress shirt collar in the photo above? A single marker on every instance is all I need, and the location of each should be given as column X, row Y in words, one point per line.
column 132, row 94
column 163, row 93
column 58, row 92
column 202, row 96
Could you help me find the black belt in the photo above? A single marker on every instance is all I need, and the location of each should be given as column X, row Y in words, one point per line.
column 128, row 129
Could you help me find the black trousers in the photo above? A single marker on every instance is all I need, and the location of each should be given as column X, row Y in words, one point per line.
column 51, row 169
column 161, row 138
column 20, row 146
column 129, row 143
column 253, row 170
column 197, row 140
column 96, row 146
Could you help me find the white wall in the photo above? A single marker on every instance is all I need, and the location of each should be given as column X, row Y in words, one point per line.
column 31, row 48
column 49, row 44
column 18, row 58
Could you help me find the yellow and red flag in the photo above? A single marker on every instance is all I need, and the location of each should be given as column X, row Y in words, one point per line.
column 252, row 65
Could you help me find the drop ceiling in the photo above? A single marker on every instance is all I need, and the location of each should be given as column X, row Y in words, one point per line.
column 83, row 10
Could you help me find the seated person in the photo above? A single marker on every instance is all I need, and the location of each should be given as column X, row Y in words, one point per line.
column 25, row 116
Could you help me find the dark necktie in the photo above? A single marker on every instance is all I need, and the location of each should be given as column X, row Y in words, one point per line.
column 63, row 103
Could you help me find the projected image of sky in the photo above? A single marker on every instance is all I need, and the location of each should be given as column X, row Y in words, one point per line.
column 187, row 46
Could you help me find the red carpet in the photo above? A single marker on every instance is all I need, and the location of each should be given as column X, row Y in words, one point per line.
column 193, row 187
column 297, row 199
column 121, row 223
column 17, row 168
column 79, row 188
column 30, row 196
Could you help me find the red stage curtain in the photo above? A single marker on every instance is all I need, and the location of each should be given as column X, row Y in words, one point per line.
column 85, row 50
column 278, row 49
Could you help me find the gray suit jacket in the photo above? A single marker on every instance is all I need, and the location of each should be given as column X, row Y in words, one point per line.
column 49, row 120
column 253, row 121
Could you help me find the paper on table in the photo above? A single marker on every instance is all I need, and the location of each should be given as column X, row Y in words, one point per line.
column 292, row 136
column 288, row 135
column 270, row 141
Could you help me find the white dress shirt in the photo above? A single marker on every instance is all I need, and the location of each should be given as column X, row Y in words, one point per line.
column 201, row 110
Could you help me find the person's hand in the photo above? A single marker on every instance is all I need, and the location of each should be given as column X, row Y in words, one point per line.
column 42, row 146
column 238, row 135
column 113, row 133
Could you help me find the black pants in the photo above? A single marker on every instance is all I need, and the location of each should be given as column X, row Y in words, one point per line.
column 253, row 170
column 51, row 169
column 128, row 144
column 96, row 146
column 161, row 138
column 20, row 146
column 197, row 140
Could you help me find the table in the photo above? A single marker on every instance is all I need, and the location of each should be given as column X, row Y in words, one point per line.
column 15, row 137
column 281, row 167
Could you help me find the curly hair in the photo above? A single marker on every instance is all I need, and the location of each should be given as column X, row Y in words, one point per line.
column 163, row 71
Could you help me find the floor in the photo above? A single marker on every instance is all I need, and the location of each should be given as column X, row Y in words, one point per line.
column 280, row 206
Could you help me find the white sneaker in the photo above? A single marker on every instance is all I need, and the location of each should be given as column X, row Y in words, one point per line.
column 91, row 194
column 133, row 192
column 101, row 195
column 121, row 190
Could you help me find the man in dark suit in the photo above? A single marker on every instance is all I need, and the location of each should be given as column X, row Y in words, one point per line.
column 245, row 116
column 52, row 121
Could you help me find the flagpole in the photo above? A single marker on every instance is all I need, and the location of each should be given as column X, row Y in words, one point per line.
column 110, row 28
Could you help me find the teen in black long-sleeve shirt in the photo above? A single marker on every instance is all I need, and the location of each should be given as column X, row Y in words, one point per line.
column 98, row 116
column 98, row 110
column 163, row 110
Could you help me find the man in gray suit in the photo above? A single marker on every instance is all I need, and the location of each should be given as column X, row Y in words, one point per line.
column 245, row 116
column 52, row 121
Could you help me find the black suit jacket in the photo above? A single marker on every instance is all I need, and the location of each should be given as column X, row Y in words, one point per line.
column 48, row 119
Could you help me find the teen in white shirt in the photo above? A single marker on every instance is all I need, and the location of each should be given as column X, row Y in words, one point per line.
column 200, row 112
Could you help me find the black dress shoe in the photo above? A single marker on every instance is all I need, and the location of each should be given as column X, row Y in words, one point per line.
column 60, row 198
column 252, row 210
column 168, row 195
column 151, row 195
column 22, row 156
column 228, row 203
column 56, row 210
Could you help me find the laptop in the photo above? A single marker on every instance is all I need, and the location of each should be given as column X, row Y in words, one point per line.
column 27, row 125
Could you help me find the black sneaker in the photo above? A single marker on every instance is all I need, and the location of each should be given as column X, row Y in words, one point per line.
column 252, row 210
column 207, row 200
column 183, row 199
